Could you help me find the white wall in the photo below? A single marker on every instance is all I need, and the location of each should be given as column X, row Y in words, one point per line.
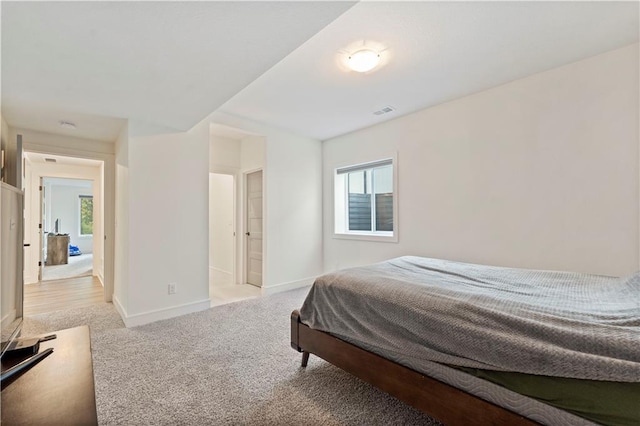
column 221, row 228
column 224, row 153
column 164, row 183
column 252, row 153
column 538, row 173
column 64, row 201
column 121, row 261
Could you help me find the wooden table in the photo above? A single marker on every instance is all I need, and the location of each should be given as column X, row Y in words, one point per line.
column 59, row 390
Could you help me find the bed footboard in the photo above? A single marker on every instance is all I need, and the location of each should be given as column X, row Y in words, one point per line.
column 439, row 400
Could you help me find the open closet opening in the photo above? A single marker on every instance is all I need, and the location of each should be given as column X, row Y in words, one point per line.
column 235, row 220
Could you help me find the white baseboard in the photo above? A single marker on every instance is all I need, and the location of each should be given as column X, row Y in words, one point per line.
column 160, row 314
column 287, row 286
column 30, row 279
column 119, row 308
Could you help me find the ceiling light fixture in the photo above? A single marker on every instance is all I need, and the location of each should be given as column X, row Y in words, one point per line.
column 67, row 124
column 363, row 60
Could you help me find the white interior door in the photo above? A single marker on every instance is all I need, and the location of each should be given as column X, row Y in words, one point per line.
column 254, row 228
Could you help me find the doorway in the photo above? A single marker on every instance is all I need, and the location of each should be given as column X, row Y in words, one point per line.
column 64, row 209
column 235, row 154
column 225, row 284
column 67, row 228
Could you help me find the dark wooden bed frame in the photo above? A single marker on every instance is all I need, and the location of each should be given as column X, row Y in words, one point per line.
column 443, row 402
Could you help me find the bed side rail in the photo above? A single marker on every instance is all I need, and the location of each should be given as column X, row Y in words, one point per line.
column 295, row 336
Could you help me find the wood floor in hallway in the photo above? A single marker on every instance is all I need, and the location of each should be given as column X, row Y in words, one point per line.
column 49, row 296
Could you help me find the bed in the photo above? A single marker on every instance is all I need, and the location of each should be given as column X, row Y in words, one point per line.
column 482, row 344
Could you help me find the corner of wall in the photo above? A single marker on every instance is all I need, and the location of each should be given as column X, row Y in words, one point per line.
column 160, row 314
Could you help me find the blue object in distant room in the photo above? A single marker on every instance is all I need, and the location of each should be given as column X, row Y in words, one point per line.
column 74, row 250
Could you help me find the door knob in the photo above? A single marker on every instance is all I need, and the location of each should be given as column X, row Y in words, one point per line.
column 247, row 233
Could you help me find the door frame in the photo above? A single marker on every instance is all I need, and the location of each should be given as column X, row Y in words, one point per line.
column 41, row 204
column 245, row 217
column 42, row 197
column 108, row 206
column 230, row 171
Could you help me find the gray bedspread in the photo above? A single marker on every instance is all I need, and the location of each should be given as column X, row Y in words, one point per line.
column 538, row 322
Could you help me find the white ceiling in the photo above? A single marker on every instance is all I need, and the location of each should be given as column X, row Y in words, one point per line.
column 436, row 52
column 163, row 64
column 169, row 64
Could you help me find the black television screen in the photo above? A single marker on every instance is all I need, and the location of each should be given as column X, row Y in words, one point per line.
column 11, row 263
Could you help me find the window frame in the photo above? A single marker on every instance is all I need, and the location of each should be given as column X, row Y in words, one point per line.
column 80, row 234
column 340, row 202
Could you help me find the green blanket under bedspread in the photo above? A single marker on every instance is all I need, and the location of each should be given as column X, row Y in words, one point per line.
column 609, row 403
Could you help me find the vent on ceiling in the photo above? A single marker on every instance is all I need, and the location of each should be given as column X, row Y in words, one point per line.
column 385, row 110
column 67, row 124
column 50, row 160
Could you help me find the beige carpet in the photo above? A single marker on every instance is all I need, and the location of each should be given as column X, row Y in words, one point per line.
column 228, row 365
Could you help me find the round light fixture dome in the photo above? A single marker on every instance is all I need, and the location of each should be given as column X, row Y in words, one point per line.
column 363, row 60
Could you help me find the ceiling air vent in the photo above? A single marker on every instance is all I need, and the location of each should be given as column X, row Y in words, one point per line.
column 385, row 110
column 50, row 160
column 67, row 124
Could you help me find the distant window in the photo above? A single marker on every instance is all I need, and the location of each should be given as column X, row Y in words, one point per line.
column 364, row 200
column 86, row 215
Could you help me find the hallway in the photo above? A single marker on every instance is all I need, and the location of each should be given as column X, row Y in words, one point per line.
column 49, row 296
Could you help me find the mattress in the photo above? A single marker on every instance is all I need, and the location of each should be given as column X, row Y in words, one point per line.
column 415, row 310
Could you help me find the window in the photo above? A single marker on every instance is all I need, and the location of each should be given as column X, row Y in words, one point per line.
column 86, row 215
column 365, row 201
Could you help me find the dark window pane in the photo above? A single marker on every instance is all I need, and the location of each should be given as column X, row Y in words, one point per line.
column 384, row 212
column 360, row 212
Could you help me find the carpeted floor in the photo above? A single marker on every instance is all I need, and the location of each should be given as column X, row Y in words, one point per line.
column 78, row 266
column 229, row 365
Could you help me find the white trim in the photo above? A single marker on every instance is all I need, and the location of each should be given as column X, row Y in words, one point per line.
column 378, row 236
column 159, row 314
column 224, row 170
column 366, row 237
column 119, row 309
column 291, row 285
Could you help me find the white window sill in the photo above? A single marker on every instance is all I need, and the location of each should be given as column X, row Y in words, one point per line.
column 368, row 236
